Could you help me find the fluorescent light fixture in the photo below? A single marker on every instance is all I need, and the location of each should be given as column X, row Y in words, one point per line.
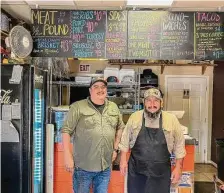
column 149, row 2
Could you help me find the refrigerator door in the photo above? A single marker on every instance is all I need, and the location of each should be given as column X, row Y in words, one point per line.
column 11, row 130
column 23, row 117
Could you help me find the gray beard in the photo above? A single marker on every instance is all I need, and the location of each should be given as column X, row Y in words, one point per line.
column 154, row 115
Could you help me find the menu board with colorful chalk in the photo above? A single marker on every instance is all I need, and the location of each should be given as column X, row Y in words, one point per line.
column 177, row 37
column 209, row 36
column 121, row 34
column 88, row 34
column 51, row 33
column 116, row 35
column 143, row 34
column 160, row 35
column 79, row 34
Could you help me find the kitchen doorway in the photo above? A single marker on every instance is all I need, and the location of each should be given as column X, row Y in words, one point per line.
column 190, row 94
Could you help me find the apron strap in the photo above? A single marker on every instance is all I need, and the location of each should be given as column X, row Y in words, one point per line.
column 143, row 119
column 161, row 121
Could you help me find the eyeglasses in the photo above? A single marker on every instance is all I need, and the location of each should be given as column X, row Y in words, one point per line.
column 96, row 87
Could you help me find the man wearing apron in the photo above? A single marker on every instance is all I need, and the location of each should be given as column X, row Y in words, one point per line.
column 152, row 135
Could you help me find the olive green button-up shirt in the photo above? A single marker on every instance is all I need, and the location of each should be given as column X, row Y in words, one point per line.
column 94, row 133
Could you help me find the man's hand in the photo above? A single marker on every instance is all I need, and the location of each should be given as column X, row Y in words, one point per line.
column 69, row 163
column 123, row 167
column 176, row 175
column 222, row 187
column 123, row 163
column 68, row 155
column 114, row 156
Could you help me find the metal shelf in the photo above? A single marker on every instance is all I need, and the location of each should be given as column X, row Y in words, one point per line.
column 110, row 84
column 128, row 87
column 129, row 90
column 70, row 83
column 122, row 84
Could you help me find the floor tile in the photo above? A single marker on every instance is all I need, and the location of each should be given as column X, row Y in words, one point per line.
column 201, row 177
column 205, row 168
column 204, row 172
column 209, row 175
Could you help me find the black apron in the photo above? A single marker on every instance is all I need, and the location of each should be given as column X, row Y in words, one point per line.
column 149, row 167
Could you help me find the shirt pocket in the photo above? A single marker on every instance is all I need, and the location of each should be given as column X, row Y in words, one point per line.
column 89, row 119
column 112, row 118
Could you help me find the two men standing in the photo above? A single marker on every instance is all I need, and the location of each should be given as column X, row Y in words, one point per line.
column 151, row 135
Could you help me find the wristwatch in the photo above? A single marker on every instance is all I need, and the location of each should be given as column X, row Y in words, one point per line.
column 116, row 150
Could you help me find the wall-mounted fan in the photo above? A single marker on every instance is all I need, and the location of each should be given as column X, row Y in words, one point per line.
column 20, row 42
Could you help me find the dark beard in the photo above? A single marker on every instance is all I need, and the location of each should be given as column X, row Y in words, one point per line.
column 154, row 115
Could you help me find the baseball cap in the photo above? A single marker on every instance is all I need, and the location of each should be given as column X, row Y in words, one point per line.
column 95, row 80
column 153, row 92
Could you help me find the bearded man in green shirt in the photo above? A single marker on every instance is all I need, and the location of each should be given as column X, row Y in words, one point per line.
column 97, row 126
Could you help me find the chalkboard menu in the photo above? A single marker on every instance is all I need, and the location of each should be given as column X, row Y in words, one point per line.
column 88, row 34
column 128, row 34
column 144, row 31
column 51, row 33
column 116, row 36
column 156, row 35
column 78, row 34
column 209, row 37
column 177, row 37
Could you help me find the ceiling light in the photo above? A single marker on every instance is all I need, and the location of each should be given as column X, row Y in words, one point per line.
column 149, row 3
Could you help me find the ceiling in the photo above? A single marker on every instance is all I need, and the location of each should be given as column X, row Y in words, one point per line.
column 22, row 9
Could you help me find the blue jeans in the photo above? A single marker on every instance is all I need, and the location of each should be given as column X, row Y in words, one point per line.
column 82, row 181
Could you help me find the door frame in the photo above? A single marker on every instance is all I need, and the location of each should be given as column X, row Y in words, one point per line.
column 206, row 126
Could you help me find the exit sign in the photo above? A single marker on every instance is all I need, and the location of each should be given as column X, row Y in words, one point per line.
column 84, row 68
